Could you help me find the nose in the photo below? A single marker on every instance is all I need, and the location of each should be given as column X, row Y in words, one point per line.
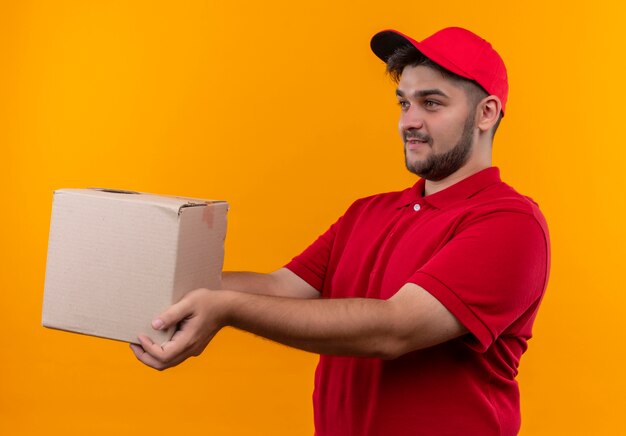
column 410, row 119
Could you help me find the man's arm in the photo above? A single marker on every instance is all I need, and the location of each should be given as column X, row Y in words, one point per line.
column 280, row 283
column 410, row 320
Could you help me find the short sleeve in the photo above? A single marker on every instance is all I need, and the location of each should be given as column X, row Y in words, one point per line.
column 311, row 265
column 491, row 272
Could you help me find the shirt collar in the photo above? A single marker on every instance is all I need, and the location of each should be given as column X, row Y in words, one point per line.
column 452, row 194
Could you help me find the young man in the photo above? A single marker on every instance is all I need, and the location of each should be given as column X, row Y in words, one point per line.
column 420, row 302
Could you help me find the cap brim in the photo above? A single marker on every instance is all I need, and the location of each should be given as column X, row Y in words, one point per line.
column 384, row 43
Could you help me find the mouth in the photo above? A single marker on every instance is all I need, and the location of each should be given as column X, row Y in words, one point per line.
column 413, row 143
column 415, row 138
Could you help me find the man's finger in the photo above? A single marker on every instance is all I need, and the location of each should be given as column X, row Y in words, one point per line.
column 167, row 353
column 154, row 356
column 146, row 358
column 151, row 348
column 172, row 316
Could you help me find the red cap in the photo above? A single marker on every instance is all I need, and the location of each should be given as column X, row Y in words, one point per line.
column 457, row 50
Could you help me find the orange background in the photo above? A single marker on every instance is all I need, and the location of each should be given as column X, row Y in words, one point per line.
column 281, row 109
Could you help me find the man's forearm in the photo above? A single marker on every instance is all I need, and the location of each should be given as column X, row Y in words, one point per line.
column 412, row 319
column 250, row 282
column 282, row 282
column 356, row 327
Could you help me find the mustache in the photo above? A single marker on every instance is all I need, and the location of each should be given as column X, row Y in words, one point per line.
column 416, row 134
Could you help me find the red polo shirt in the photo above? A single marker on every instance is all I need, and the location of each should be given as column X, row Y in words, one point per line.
column 482, row 250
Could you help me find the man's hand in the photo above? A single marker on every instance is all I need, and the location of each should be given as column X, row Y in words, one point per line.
column 199, row 315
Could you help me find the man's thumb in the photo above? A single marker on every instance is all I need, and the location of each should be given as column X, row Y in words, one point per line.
column 170, row 317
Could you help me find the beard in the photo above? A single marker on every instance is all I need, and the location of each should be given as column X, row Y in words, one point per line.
column 439, row 166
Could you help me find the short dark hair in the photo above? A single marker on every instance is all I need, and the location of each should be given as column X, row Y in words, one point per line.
column 410, row 56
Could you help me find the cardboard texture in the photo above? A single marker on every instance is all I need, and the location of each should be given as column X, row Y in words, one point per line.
column 116, row 259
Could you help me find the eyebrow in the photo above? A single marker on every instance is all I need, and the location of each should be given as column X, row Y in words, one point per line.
column 423, row 93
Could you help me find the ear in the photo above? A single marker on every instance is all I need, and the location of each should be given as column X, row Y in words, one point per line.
column 488, row 112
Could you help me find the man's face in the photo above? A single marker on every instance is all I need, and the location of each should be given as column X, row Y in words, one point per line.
column 436, row 123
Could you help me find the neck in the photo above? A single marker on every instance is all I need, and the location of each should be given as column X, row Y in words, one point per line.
column 432, row 187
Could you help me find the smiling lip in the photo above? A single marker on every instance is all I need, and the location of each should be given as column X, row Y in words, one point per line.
column 415, row 144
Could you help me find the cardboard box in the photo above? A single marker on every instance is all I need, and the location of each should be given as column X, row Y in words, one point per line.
column 116, row 259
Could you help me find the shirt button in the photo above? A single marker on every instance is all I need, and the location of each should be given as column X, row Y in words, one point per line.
column 416, row 207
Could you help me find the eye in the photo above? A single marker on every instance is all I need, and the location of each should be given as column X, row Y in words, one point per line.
column 404, row 105
column 431, row 104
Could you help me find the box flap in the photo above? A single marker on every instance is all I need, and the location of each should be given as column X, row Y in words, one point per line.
column 173, row 203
